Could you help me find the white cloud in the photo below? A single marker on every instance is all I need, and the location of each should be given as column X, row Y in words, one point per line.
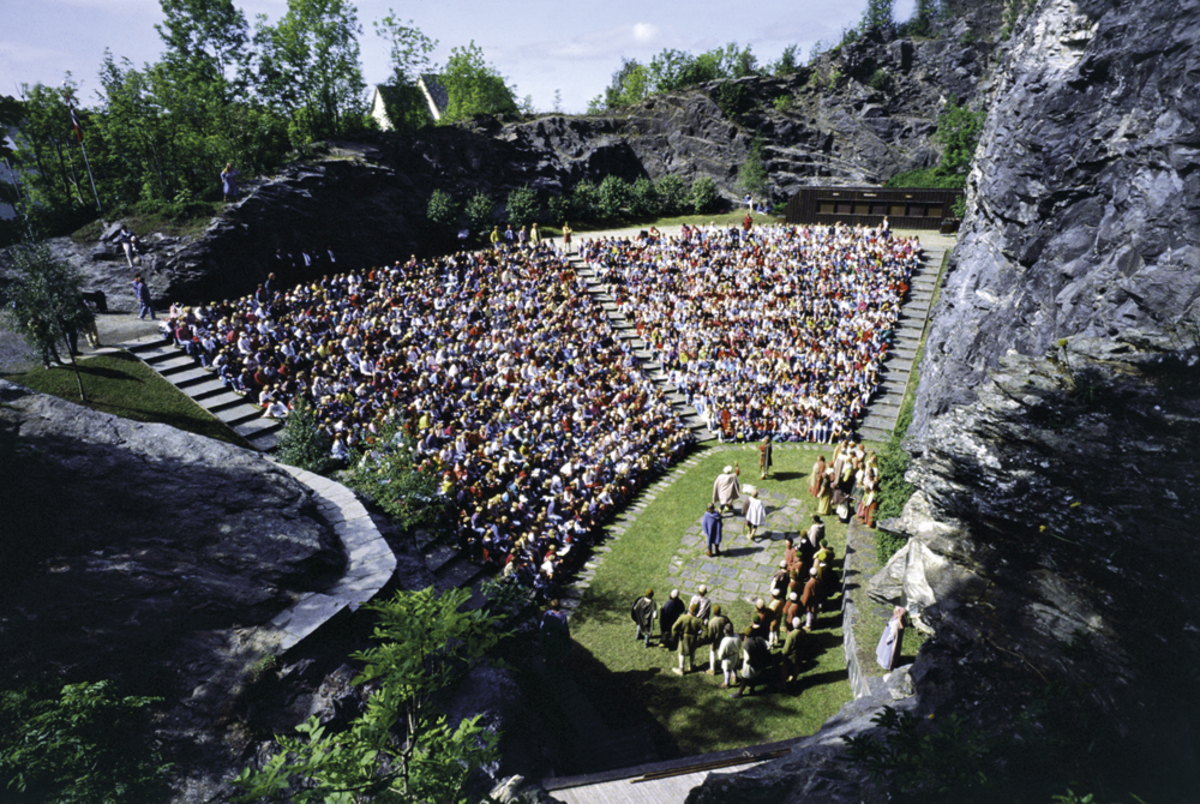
column 644, row 33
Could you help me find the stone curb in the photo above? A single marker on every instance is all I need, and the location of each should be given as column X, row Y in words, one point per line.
column 370, row 566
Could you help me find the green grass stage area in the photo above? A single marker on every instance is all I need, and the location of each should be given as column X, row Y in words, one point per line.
column 628, row 684
column 120, row 384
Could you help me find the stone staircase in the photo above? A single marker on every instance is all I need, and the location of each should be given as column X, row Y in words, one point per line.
column 651, row 367
column 884, row 409
column 203, row 385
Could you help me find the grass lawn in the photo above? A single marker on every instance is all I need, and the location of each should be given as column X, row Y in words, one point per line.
column 628, row 683
column 121, row 384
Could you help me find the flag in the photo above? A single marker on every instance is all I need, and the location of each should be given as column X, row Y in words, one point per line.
column 75, row 123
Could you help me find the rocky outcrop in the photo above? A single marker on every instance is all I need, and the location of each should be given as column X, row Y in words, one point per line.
column 153, row 557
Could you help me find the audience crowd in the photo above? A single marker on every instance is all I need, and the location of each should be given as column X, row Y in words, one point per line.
column 498, row 364
column 771, row 330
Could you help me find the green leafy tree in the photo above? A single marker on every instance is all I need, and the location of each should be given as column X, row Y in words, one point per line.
column 787, row 63
column 703, row 196
column 672, row 194
column 630, row 84
column 81, row 745
column 752, row 175
column 958, row 132
column 46, row 301
column 924, row 17
column 585, row 201
column 401, row 749
column 303, row 443
column 879, row 14
column 672, row 69
column 309, row 69
column 612, row 197
column 480, row 212
column 441, row 210
column 47, row 155
column 473, row 86
column 386, row 471
column 522, row 206
column 643, row 199
column 410, row 51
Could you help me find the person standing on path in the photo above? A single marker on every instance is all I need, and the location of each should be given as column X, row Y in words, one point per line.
column 141, row 292
column 670, row 612
column 687, row 630
column 713, row 527
column 566, row 231
column 713, row 635
column 764, row 458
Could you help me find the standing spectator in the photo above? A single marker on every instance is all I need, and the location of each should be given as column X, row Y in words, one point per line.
column 128, row 241
column 229, row 184
column 755, row 655
column 726, row 488
column 141, row 292
column 713, row 527
column 810, row 599
column 671, row 611
column 701, row 603
column 566, row 230
column 644, row 613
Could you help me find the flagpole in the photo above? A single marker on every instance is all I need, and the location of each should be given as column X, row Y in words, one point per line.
column 95, row 194
column 79, row 136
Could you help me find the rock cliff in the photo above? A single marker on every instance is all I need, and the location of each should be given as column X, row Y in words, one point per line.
column 153, row 557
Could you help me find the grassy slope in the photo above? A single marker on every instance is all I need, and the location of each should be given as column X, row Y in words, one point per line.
column 121, row 384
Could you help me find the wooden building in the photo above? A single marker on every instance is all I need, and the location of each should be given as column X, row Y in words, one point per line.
column 904, row 208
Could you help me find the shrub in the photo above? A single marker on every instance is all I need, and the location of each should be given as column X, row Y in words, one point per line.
column 585, row 201
column 441, row 209
column 302, row 443
column 522, row 206
column 672, row 194
column 558, row 208
column 481, row 212
column 732, row 98
column 703, row 196
column 386, row 472
column 643, row 199
column 612, row 197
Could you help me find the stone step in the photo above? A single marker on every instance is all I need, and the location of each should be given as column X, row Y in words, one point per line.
column 223, row 401
column 174, row 363
column 264, row 440
column 189, row 376
column 205, row 390
column 255, row 428
column 239, row 414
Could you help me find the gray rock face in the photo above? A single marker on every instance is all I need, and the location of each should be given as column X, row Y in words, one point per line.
column 151, row 556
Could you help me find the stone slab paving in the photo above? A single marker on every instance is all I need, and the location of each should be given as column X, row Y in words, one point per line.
column 369, row 568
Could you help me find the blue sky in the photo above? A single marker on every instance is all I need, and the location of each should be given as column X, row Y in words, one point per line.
column 539, row 46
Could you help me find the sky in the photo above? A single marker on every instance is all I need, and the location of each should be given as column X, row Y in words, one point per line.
column 559, row 54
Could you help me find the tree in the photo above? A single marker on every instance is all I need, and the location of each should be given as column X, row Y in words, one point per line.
column 752, row 175
column 630, row 84
column 703, row 195
column 386, row 472
column 441, row 209
column 410, row 50
column 47, row 302
column 303, row 443
column 78, row 745
column 958, row 131
column 522, row 206
column 672, row 194
column 473, row 86
column 309, row 69
column 585, row 201
column 787, row 63
column 644, row 199
column 878, row 15
column 925, row 14
column 480, row 212
column 400, row 749
column 612, row 197
column 206, row 38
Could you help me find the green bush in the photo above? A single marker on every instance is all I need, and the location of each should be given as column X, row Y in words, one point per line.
column 441, row 209
column 644, row 200
column 613, row 196
column 481, row 213
column 703, row 196
column 303, row 443
column 732, row 98
column 80, row 745
column 933, row 178
column 585, row 201
column 672, row 194
column 522, row 206
column 558, row 208
column 386, row 473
